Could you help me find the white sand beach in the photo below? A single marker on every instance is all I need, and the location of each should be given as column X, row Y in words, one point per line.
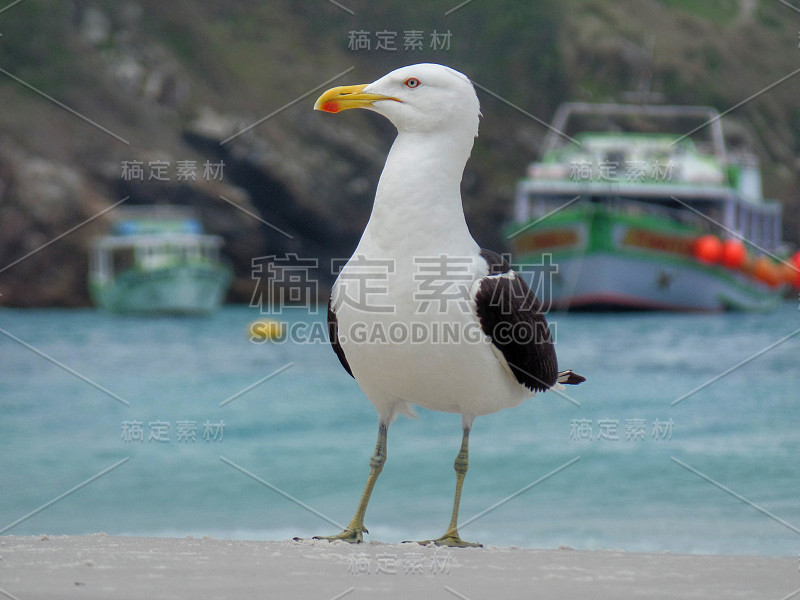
column 102, row 566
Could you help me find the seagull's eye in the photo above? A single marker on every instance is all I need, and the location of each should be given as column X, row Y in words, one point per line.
column 412, row 82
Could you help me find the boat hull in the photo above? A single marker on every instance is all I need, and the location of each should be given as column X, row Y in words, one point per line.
column 182, row 289
column 592, row 258
column 606, row 281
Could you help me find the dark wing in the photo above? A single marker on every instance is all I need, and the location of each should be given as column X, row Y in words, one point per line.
column 333, row 334
column 510, row 314
column 570, row 378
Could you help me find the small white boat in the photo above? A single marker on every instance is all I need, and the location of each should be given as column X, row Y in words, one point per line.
column 158, row 260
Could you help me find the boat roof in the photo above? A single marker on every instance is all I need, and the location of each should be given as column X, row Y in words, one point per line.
column 686, row 193
column 678, row 122
column 600, row 139
column 151, row 219
column 112, row 242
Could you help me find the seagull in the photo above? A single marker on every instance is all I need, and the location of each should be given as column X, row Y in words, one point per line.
column 421, row 315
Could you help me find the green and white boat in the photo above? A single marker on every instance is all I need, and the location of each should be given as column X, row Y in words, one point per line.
column 157, row 260
column 627, row 211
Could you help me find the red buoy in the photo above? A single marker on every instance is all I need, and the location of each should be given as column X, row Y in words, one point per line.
column 766, row 271
column 789, row 273
column 708, row 249
column 734, row 253
column 793, row 275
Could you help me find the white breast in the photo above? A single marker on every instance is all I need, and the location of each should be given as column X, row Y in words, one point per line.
column 412, row 337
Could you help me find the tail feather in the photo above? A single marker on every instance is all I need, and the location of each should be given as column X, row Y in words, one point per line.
column 570, row 378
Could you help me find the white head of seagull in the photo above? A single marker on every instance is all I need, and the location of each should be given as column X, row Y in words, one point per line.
column 425, row 98
column 436, row 113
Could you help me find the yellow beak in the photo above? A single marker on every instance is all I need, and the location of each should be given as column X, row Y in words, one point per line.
column 347, row 97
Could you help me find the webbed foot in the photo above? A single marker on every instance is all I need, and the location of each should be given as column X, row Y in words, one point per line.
column 351, row 535
column 452, row 540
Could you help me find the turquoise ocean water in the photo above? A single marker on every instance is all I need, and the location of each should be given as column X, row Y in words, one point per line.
column 203, row 441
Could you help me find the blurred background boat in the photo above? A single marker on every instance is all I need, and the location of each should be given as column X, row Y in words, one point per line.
column 624, row 213
column 157, row 259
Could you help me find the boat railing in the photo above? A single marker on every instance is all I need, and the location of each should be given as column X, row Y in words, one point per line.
column 757, row 224
column 672, row 211
column 113, row 254
column 541, row 207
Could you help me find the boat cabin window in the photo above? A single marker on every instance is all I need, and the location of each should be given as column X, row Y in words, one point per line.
column 153, row 255
column 122, row 259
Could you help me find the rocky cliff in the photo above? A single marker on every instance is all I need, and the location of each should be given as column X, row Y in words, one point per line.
column 209, row 105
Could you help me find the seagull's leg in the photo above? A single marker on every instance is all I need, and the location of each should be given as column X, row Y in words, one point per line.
column 451, row 537
column 353, row 533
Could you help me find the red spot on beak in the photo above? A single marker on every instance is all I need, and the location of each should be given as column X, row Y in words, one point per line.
column 331, row 107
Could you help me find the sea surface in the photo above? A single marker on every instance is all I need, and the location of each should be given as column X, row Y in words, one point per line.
column 685, row 437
